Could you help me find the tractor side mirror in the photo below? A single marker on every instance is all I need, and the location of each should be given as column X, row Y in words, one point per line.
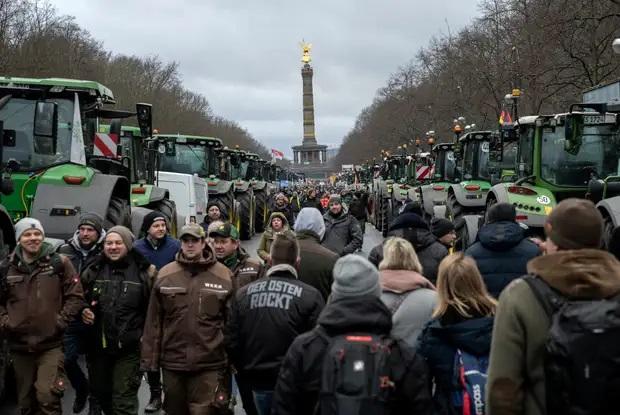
column 45, row 127
column 573, row 133
column 144, row 113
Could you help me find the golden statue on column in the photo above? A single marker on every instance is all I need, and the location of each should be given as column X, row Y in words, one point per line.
column 306, row 47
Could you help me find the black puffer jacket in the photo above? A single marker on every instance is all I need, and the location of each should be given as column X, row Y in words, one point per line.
column 297, row 390
column 118, row 293
column 266, row 317
column 343, row 234
column 429, row 250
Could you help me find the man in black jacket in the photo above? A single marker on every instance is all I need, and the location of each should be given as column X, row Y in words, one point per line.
column 343, row 234
column 267, row 316
column 82, row 249
column 355, row 306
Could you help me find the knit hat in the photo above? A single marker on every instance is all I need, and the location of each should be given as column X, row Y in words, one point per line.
column 93, row 220
column 575, row 224
column 25, row 224
column 412, row 207
column 333, row 199
column 151, row 218
column 501, row 212
column 441, row 227
column 284, row 249
column 125, row 234
column 310, row 219
column 355, row 276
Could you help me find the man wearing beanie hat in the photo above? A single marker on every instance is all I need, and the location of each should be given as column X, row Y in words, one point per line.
column 282, row 205
column 184, row 330
column 160, row 249
column 354, row 309
column 501, row 250
column 267, row 316
column 576, row 269
column 40, row 295
column 82, row 249
column 117, row 287
column 343, row 234
column 444, row 231
column 214, row 213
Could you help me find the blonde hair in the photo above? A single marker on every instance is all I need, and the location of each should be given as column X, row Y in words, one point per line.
column 398, row 253
column 460, row 285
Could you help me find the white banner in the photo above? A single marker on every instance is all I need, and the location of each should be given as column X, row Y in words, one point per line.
column 78, row 155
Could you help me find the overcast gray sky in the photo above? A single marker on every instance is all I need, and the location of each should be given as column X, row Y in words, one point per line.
column 244, row 56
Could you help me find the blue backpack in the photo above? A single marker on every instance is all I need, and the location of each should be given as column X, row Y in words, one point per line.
column 470, row 379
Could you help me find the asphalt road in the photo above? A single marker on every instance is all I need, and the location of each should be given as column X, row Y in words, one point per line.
column 371, row 238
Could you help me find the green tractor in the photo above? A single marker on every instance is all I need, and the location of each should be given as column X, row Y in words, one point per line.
column 136, row 158
column 46, row 126
column 433, row 195
column 384, row 210
column 258, row 174
column 482, row 159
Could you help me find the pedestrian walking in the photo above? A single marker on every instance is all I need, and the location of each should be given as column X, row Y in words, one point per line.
column 312, row 200
column 555, row 325
column 160, row 249
column 352, row 330
column 444, row 231
column 358, row 209
column 214, row 213
column 282, row 206
column 184, row 329
column 317, row 262
column 117, row 288
column 407, row 294
column 411, row 226
column 267, row 316
column 40, row 295
column 277, row 224
column 456, row 342
column 82, row 249
column 228, row 251
column 342, row 231
column 501, row 250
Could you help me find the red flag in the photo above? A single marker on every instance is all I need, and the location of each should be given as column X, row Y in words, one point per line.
column 277, row 154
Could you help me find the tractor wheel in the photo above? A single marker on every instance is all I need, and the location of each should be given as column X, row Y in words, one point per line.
column 262, row 210
column 119, row 213
column 608, row 232
column 385, row 216
column 169, row 209
column 246, row 215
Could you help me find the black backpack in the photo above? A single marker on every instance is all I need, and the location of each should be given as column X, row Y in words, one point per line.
column 582, row 352
column 358, row 375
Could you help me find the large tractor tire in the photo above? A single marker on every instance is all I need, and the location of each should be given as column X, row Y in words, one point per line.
column 169, row 209
column 119, row 213
column 385, row 216
column 377, row 215
column 247, row 210
column 262, row 210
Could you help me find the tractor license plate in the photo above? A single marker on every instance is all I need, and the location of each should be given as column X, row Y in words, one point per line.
column 473, row 196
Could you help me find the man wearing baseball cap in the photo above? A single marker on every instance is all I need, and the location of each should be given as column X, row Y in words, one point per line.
column 183, row 333
column 228, row 251
column 577, row 269
column 40, row 295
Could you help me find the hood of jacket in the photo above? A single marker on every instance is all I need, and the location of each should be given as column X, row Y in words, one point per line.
column 285, row 225
column 46, row 249
column 472, row 336
column 501, row 236
column 359, row 314
column 282, row 271
column 308, row 234
column 401, row 281
column 579, row 274
column 310, row 219
column 420, row 238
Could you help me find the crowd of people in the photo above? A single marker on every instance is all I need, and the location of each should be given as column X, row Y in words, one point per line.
column 311, row 326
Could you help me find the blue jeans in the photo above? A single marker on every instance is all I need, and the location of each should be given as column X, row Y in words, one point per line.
column 262, row 400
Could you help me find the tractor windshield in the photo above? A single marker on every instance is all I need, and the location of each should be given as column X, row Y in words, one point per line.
column 397, row 169
column 476, row 160
column 187, row 159
column 597, row 156
column 19, row 143
column 239, row 168
column 445, row 165
column 134, row 149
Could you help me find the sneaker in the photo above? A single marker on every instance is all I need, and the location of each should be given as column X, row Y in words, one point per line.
column 154, row 404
